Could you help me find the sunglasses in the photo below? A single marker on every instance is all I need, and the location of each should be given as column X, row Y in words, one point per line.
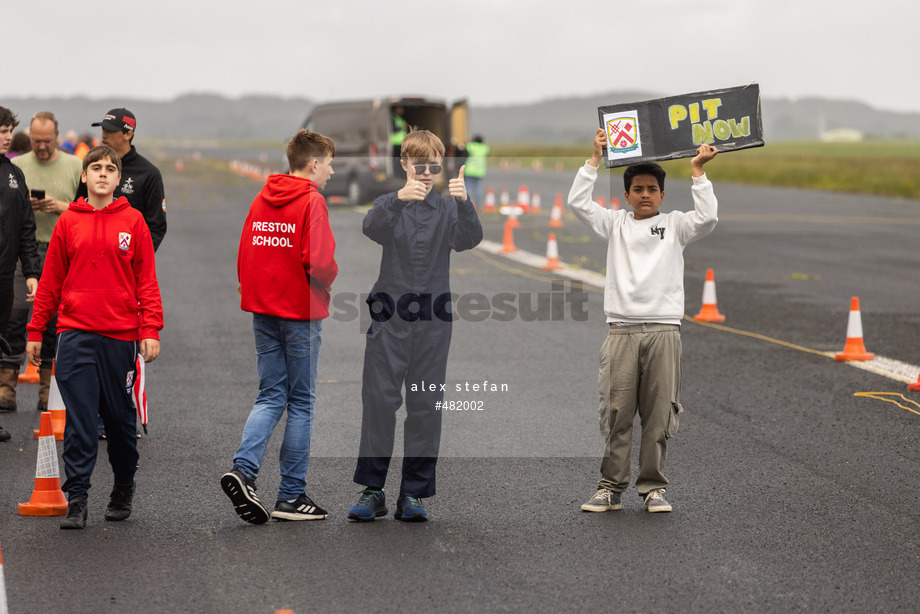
column 420, row 168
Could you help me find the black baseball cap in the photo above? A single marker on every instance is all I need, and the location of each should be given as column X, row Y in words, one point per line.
column 118, row 120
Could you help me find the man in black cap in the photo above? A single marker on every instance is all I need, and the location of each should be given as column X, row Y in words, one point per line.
column 141, row 182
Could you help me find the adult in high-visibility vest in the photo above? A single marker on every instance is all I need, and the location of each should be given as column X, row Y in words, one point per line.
column 477, row 155
column 399, row 131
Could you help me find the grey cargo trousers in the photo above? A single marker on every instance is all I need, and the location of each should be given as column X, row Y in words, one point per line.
column 640, row 372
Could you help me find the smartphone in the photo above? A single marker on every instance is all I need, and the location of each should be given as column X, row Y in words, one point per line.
column 39, row 194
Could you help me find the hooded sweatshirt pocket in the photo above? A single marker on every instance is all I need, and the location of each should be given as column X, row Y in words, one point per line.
column 100, row 310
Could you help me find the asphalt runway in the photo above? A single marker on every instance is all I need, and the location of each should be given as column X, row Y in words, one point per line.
column 789, row 492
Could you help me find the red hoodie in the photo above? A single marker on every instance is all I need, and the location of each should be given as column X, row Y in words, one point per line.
column 287, row 252
column 100, row 271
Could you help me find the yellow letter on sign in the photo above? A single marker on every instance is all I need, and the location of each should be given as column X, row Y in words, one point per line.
column 677, row 113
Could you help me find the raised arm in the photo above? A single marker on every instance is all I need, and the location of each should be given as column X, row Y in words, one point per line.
column 585, row 209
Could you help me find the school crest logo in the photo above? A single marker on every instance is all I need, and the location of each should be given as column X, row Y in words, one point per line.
column 124, row 241
column 128, row 188
column 13, row 183
column 623, row 134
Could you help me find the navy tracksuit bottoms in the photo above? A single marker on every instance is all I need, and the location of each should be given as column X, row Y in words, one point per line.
column 95, row 375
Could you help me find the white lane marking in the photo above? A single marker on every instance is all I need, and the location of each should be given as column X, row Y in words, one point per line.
column 881, row 365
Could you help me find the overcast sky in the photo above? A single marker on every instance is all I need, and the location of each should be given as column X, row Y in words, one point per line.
column 488, row 51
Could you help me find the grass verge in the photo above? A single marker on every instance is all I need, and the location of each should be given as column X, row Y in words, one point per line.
column 883, row 168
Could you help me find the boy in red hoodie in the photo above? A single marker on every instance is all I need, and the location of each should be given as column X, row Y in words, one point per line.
column 100, row 276
column 286, row 266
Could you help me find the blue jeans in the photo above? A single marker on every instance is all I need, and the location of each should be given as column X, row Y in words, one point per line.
column 288, row 355
column 474, row 189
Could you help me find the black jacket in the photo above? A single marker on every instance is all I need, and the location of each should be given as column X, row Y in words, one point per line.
column 142, row 185
column 17, row 224
column 417, row 239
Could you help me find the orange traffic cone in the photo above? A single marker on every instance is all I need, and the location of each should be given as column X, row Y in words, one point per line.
column 47, row 498
column 535, row 203
column 601, row 201
column 56, row 409
column 615, row 203
column 30, row 376
column 915, row 385
column 855, row 348
column 523, row 198
column 555, row 217
column 508, row 241
column 504, row 200
column 709, row 311
column 490, row 200
column 552, row 254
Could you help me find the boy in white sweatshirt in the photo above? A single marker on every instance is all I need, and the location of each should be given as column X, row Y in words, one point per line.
column 644, row 303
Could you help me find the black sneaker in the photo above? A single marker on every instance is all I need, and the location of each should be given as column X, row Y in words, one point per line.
column 604, row 500
column 372, row 504
column 301, row 509
column 120, row 502
column 5, row 434
column 76, row 515
column 655, row 501
column 242, row 492
column 410, row 509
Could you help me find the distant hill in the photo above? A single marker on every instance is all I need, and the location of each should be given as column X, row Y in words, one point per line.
column 559, row 120
column 573, row 119
column 193, row 116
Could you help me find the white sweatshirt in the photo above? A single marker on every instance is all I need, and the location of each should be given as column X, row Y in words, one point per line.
column 645, row 258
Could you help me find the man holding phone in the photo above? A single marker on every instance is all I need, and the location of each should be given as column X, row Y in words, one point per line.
column 53, row 177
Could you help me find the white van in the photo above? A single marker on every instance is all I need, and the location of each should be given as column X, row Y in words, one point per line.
column 364, row 164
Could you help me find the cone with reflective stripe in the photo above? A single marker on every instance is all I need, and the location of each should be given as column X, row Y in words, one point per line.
column 709, row 311
column 535, row 204
column 3, row 606
column 523, row 198
column 490, row 200
column 47, row 498
column 855, row 349
column 555, row 217
column 56, row 409
column 552, row 254
column 508, row 240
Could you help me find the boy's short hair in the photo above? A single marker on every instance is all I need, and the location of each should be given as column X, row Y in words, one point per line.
column 305, row 146
column 421, row 144
column 8, row 118
column 100, row 153
column 648, row 168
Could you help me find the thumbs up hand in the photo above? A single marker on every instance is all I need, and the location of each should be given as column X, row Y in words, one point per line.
column 414, row 189
column 457, row 187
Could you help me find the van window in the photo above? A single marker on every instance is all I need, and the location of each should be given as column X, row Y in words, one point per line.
column 344, row 126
